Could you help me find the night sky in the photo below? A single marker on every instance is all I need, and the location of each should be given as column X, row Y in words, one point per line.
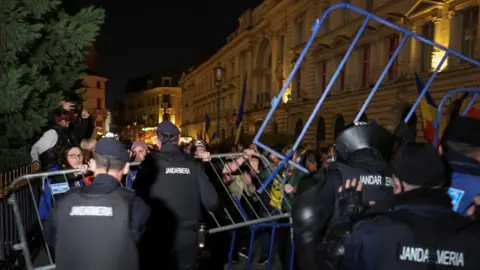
column 147, row 36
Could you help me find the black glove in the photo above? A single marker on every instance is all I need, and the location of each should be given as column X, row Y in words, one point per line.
column 350, row 203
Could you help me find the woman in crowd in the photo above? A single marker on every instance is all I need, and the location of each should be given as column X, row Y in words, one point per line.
column 73, row 158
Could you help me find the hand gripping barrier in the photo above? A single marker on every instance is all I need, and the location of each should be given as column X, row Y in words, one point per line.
column 237, row 176
column 436, row 123
column 318, row 23
column 244, row 209
column 28, row 212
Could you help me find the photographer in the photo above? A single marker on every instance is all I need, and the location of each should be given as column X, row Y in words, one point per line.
column 81, row 123
column 67, row 128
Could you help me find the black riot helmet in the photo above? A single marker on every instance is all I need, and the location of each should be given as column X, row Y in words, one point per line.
column 362, row 135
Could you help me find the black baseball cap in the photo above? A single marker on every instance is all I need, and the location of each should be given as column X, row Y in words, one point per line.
column 463, row 129
column 111, row 148
column 420, row 164
column 167, row 127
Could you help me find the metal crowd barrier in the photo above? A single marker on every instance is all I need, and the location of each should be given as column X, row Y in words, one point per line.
column 276, row 101
column 25, row 195
column 246, row 209
column 436, row 123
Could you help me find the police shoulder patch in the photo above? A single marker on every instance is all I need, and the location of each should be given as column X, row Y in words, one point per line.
column 456, row 196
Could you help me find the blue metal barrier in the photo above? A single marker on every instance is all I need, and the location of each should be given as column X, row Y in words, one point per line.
column 436, row 123
column 316, row 27
column 272, row 225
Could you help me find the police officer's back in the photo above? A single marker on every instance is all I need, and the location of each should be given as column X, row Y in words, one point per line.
column 420, row 231
column 363, row 151
column 461, row 147
column 175, row 185
column 98, row 226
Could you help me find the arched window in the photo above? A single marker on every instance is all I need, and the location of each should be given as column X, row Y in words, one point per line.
column 320, row 129
column 298, row 127
column 412, row 122
column 338, row 126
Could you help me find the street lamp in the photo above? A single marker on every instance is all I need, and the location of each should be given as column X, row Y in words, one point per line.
column 218, row 73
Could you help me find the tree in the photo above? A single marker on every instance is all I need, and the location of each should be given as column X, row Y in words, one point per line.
column 42, row 47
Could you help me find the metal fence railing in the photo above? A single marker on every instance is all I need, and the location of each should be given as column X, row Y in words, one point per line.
column 233, row 174
column 8, row 234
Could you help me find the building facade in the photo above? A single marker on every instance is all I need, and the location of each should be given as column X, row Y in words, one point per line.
column 94, row 101
column 271, row 37
column 149, row 101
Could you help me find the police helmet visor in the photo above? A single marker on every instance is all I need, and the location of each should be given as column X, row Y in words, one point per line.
column 361, row 135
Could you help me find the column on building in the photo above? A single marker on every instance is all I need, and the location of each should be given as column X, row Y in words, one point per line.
column 455, row 42
column 404, row 55
column 274, row 86
column 353, row 69
column 440, row 36
column 477, row 41
column 251, row 81
column 377, row 57
column 415, row 51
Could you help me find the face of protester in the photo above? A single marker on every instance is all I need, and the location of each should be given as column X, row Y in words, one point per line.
column 274, row 159
column 139, row 153
column 75, row 157
column 200, row 150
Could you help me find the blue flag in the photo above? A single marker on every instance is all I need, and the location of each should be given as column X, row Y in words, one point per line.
column 238, row 122
column 45, row 205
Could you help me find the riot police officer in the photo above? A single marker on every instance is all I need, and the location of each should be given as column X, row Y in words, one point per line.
column 175, row 186
column 363, row 152
column 461, row 147
column 421, row 231
column 98, row 226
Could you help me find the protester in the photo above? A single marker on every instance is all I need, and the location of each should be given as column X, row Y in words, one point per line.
column 139, row 151
column 46, row 153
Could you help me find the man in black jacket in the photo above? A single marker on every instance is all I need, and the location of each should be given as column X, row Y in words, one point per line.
column 175, row 186
column 363, row 152
column 98, row 226
column 421, row 231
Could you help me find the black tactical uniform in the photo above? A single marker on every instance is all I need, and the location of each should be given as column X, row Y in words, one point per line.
column 363, row 151
column 421, row 231
column 175, row 186
column 98, row 226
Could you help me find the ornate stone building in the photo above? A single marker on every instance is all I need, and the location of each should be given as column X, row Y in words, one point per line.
column 94, row 101
column 271, row 36
column 150, row 100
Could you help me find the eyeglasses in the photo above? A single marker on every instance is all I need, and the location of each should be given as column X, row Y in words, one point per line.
column 77, row 156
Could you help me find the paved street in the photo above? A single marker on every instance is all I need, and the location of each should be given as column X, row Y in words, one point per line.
column 42, row 260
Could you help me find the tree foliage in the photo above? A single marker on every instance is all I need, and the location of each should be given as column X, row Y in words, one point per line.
column 42, row 48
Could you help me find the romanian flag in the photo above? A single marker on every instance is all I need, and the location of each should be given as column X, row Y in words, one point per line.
column 207, row 127
column 238, row 122
column 429, row 113
column 472, row 112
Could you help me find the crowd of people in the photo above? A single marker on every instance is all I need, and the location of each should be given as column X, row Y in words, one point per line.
column 393, row 189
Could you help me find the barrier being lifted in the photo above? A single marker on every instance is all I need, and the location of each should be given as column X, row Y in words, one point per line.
column 235, row 174
column 368, row 17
